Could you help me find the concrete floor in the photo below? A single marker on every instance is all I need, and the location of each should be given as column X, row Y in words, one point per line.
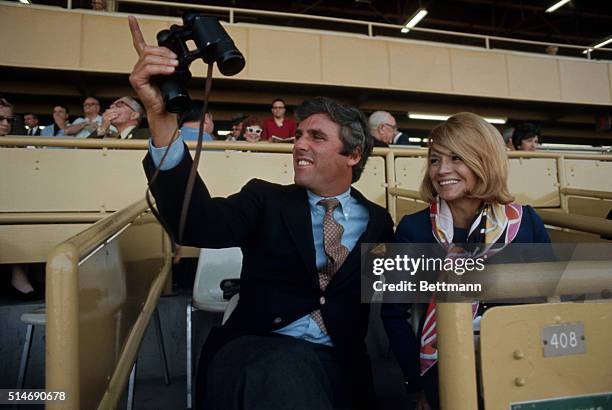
column 150, row 391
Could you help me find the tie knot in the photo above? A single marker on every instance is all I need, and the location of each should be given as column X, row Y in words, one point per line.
column 329, row 204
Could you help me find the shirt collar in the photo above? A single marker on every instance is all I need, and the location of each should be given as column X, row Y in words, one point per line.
column 126, row 132
column 344, row 198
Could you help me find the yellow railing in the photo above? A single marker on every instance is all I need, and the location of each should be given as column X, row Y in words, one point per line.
column 96, row 314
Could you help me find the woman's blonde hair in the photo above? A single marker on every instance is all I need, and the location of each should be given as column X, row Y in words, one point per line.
column 481, row 147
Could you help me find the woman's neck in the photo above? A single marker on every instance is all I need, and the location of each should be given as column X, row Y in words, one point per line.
column 464, row 211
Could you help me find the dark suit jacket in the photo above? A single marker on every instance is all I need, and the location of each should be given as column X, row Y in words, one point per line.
column 416, row 228
column 402, row 140
column 279, row 281
column 136, row 134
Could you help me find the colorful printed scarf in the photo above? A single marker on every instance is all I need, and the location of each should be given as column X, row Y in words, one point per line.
column 493, row 222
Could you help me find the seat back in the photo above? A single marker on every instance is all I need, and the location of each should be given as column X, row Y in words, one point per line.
column 215, row 265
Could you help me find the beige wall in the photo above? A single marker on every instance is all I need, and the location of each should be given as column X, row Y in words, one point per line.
column 46, row 37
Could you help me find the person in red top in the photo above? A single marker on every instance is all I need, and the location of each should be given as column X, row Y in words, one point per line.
column 278, row 128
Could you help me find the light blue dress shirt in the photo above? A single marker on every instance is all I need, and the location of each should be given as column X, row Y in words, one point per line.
column 352, row 215
column 191, row 134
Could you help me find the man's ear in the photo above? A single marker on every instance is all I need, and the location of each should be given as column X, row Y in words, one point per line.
column 354, row 157
column 134, row 116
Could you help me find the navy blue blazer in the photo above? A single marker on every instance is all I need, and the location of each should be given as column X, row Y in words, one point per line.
column 416, row 228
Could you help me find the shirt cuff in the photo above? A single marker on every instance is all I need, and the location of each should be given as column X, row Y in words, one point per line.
column 176, row 151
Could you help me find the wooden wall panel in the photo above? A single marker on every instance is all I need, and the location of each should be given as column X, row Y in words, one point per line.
column 420, row 67
column 584, row 174
column 354, row 61
column 584, row 81
column 106, row 42
column 280, row 63
column 40, row 38
column 479, row 73
column 533, row 78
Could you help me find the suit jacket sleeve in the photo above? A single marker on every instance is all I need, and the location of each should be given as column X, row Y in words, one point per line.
column 395, row 317
column 211, row 222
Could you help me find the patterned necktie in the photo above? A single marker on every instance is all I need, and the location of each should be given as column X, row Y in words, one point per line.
column 335, row 251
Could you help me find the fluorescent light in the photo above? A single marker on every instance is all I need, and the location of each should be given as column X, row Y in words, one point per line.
column 25, row 2
column 414, row 20
column 495, row 120
column 431, row 117
column 587, row 51
column 603, row 43
column 444, row 117
column 414, row 139
column 223, row 132
column 557, row 5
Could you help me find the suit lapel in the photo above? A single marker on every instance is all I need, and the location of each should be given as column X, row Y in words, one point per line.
column 296, row 215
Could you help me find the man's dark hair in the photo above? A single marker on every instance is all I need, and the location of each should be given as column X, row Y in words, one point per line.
column 281, row 100
column 238, row 118
column 65, row 107
column 195, row 112
column 523, row 132
column 354, row 131
column 30, row 113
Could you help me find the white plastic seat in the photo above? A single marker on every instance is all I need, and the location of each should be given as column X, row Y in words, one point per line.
column 214, row 265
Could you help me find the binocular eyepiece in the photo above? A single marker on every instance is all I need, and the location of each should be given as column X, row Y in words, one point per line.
column 213, row 45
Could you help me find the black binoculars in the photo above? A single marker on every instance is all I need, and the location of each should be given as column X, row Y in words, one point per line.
column 213, row 44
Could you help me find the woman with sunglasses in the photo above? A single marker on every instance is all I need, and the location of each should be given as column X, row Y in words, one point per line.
column 251, row 129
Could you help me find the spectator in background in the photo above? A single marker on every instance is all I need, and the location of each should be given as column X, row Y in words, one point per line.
column 84, row 126
column 383, row 128
column 237, row 121
column 278, row 128
column 191, row 123
column 6, row 117
column 31, row 122
column 98, row 5
column 251, row 129
column 507, row 136
column 125, row 114
column 526, row 137
column 19, row 277
column 60, row 122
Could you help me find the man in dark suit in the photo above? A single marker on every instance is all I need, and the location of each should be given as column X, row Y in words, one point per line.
column 296, row 337
column 31, row 121
column 384, row 130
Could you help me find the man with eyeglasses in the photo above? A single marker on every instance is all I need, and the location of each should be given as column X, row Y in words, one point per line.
column 383, row 128
column 121, row 120
column 278, row 128
column 84, row 126
column 6, row 117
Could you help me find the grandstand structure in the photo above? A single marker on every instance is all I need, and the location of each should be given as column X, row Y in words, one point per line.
column 80, row 209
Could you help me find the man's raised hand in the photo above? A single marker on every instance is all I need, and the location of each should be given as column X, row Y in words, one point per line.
column 152, row 61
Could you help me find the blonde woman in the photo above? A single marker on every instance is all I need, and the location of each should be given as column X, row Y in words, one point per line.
column 469, row 203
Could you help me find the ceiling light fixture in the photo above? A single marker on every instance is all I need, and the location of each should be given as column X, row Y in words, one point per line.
column 414, row 20
column 557, row 5
column 444, row 117
column 599, row 45
column 603, row 43
column 25, row 2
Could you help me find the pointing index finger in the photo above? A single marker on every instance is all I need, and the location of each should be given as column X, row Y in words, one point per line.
column 137, row 37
